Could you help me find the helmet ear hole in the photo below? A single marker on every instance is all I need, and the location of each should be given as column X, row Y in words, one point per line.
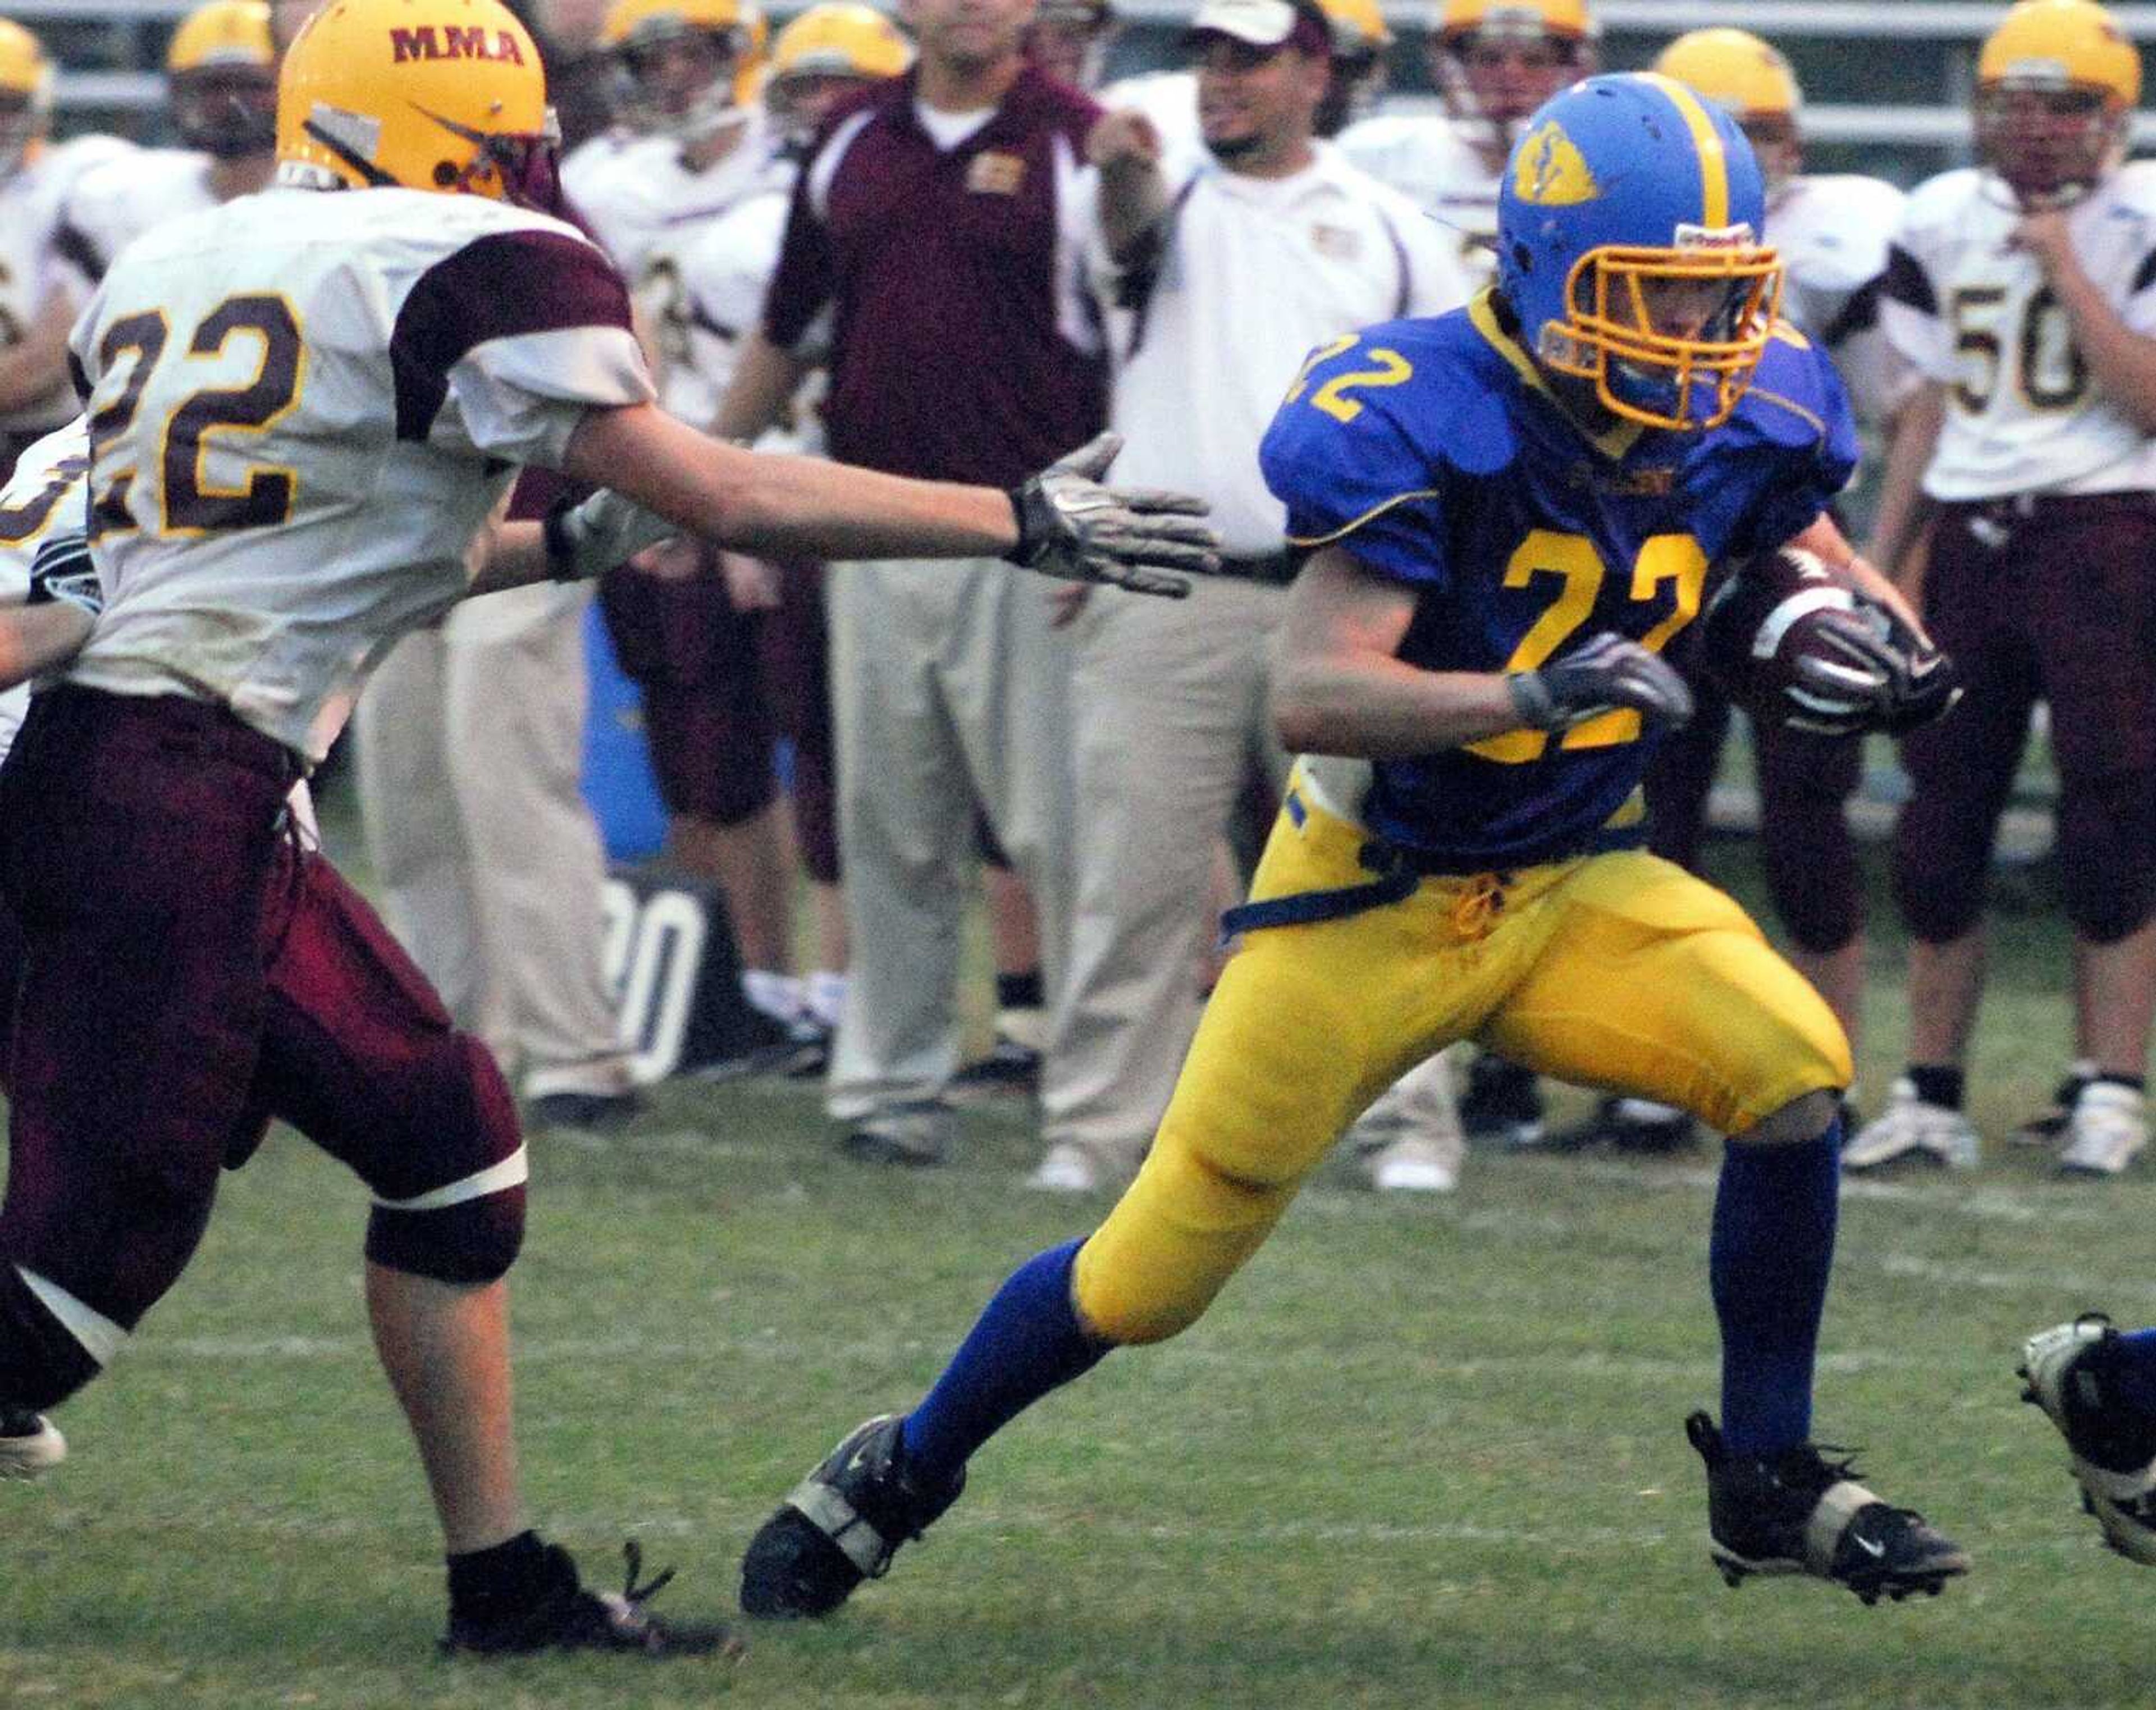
column 446, row 175
column 1523, row 257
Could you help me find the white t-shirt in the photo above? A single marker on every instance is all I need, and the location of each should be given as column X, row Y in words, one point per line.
column 30, row 203
column 1432, row 162
column 1833, row 231
column 1251, row 273
column 311, row 403
column 2024, row 414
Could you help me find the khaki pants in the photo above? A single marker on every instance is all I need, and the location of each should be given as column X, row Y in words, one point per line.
column 1168, row 704
column 470, row 743
column 948, row 690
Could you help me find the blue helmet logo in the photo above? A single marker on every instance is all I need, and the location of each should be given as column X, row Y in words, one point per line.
column 1628, row 238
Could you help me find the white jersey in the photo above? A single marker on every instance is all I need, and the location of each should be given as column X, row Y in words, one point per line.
column 2024, row 414
column 31, row 202
column 710, row 293
column 1833, row 230
column 1428, row 160
column 44, row 496
column 118, row 201
column 306, row 404
column 1251, row 273
column 585, row 165
column 642, row 196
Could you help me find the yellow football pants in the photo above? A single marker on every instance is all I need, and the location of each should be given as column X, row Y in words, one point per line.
column 1619, row 971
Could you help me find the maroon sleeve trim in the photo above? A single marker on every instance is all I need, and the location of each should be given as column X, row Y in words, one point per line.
column 498, row 286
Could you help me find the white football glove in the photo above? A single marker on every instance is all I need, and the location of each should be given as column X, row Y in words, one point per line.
column 589, row 539
column 1605, row 671
column 1071, row 527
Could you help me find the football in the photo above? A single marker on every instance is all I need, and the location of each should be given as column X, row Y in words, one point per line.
column 1776, row 639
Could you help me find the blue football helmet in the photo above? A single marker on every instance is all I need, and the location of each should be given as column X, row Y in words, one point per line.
column 1629, row 245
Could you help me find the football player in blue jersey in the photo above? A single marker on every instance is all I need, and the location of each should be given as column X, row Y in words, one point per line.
column 1509, row 512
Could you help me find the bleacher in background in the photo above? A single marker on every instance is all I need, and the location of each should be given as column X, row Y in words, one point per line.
column 1888, row 80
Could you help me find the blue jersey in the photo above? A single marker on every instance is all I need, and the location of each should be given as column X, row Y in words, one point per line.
column 1433, row 452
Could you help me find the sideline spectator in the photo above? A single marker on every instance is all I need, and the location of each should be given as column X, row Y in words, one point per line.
column 938, row 231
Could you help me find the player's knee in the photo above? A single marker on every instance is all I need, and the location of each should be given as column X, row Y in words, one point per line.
column 1821, row 913
column 744, row 783
column 1153, row 1280
column 1122, row 1317
column 1940, row 901
column 1804, row 1117
column 471, row 1241
column 42, row 1361
column 2108, row 880
column 462, row 1220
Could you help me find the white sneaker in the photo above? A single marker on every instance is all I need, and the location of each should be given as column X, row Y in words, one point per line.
column 1065, row 1168
column 2106, row 1131
column 30, row 1444
column 1414, row 1164
column 1912, row 1129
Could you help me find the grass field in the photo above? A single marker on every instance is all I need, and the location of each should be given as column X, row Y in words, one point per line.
column 1421, row 1454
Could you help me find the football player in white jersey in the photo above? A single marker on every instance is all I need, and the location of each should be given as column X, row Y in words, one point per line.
column 684, row 621
column 38, row 299
column 687, row 73
column 763, row 666
column 1831, row 231
column 2023, row 291
column 222, row 71
column 302, row 408
column 1494, row 62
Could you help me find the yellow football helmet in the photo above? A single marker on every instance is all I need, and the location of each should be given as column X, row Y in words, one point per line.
column 26, row 97
column 223, row 66
column 1496, row 61
column 1360, row 39
column 664, row 95
column 432, row 95
column 2055, row 88
column 1753, row 82
column 839, row 39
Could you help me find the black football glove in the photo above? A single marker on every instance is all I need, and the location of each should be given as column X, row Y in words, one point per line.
column 62, row 571
column 1924, row 684
column 1607, row 671
column 1071, row 527
column 1874, row 673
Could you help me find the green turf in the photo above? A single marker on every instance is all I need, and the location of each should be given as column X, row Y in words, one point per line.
column 1424, row 1454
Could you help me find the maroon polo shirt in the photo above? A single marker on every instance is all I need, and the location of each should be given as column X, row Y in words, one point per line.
column 963, row 348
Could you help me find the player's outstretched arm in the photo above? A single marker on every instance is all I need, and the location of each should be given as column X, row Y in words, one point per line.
column 1062, row 522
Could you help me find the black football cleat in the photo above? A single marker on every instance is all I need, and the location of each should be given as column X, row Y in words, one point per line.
column 1500, row 1104
column 1796, row 1512
column 2065, row 1370
column 568, row 1617
column 841, row 1525
column 1635, row 1126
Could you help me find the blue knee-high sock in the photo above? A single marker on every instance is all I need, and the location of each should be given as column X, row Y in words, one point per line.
column 1027, row 1343
column 2132, row 1379
column 1772, row 1244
